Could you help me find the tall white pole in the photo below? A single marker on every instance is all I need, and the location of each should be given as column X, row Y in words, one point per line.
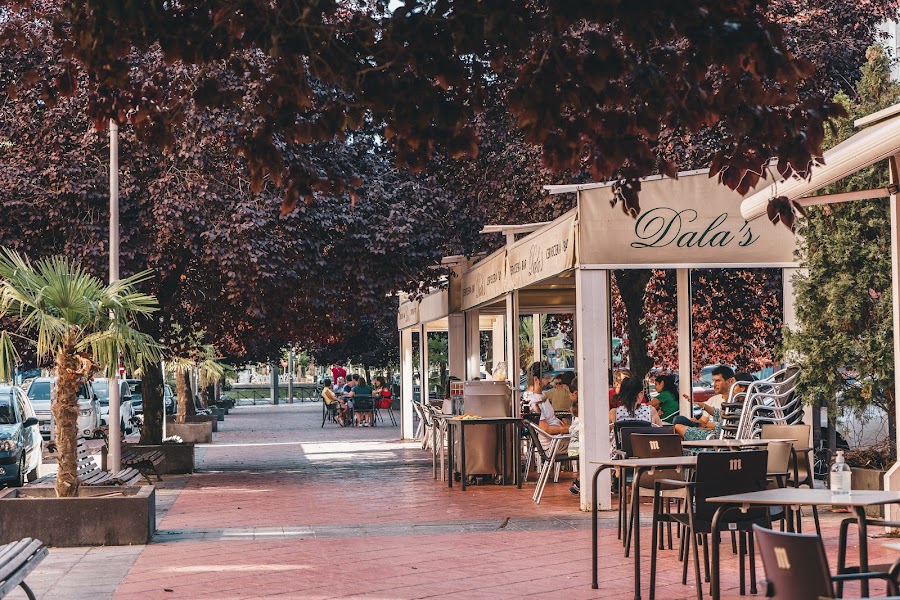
column 685, row 360
column 892, row 477
column 115, row 432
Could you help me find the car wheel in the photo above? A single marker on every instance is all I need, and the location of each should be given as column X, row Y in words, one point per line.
column 20, row 478
column 33, row 474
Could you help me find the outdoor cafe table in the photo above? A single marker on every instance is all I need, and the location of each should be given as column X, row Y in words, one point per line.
column 858, row 500
column 503, row 423
column 732, row 444
column 640, row 466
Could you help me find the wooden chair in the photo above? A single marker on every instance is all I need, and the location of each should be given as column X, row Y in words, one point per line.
column 17, row 560
column 796, row 567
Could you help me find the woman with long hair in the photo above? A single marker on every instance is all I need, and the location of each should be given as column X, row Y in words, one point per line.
column 666, row 401
column 630, row 404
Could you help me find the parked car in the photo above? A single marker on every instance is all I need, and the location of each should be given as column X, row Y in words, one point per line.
column 126, row 410
column 20, row 438
column 137, row 396
column 169, row 401
column 39, row 393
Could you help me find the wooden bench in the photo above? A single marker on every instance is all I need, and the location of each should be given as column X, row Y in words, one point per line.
column 90, row 473
column 143, row 460
column 17, row 560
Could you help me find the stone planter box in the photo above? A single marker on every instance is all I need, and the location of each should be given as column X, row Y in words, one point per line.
column 99, row 516
column 868, row 479
column 195, row 433
column 196, row 419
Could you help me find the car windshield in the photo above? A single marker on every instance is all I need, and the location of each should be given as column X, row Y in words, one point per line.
column 7, row 416
column 101, row 388
column 39, row 390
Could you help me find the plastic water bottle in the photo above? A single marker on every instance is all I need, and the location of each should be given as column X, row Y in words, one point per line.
column 840, row 476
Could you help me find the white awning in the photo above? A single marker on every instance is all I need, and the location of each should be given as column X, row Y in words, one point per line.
column 866, row 148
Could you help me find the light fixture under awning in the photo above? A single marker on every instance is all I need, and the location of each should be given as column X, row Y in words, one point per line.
column 866, row 148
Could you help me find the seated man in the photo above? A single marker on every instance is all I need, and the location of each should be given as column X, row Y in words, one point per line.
column 702, row 428
column 330, row 398
column 723, row 379
column 560, row 395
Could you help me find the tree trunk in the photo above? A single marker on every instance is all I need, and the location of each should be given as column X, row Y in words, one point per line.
column 152, row 389
column 65, row 415
column 185, row 395
column 632, row 284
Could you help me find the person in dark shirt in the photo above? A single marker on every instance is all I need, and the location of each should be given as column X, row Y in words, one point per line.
column 364, row 419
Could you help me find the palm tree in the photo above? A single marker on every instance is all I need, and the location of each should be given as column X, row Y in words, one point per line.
column 79, row 322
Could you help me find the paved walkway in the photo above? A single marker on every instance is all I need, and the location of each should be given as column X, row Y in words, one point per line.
column 281, row 508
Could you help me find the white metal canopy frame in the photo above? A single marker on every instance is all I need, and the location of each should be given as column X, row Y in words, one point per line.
column 879, row 140
column 687, row 222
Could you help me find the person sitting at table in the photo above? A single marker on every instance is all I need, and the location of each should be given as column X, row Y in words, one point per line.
column 329, row 397
column 629, row 398
column 709, row 425
column 382, row 392
column 533, row 395
column 666, row 401
column 363, row 419
column 560, row 395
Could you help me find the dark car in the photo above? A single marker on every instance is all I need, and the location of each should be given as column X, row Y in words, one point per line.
column 20, row 440
column 137, row 398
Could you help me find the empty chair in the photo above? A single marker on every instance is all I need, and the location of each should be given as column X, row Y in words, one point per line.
column 551, row 459
column 716, row 474
column 797, row 569
column 800, row 471
column 656, row 445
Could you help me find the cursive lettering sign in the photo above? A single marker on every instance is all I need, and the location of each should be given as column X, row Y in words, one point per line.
column 664, row 226
column 535, row 260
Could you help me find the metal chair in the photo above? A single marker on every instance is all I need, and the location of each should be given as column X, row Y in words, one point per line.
column 330, row 412
column 656, row 445
column 551, row 458
column 716, row 474
column 800, row 471
column 797, row 569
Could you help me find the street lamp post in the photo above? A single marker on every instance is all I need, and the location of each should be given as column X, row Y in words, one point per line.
column 115, row 454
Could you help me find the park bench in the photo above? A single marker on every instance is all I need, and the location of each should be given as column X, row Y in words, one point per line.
column 143, row 460
column 17, row 560
column 90, row 473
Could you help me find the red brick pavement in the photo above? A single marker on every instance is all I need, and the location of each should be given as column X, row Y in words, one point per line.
column 285, row 509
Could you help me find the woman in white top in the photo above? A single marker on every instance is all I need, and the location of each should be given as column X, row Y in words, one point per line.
column 631, row 408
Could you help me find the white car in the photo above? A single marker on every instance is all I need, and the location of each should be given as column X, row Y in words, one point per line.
column 20, row 440
column 126, row 409
column 40, row 391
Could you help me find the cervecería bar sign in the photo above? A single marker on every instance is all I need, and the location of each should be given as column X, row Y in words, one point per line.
column 485, row 281
column 689, row 222
column 543, row 254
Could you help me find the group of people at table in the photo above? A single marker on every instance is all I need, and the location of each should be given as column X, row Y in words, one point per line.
column 547, row 397
column 346, row 394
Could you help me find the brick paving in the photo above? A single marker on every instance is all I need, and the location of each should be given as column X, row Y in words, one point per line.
column 281, row 508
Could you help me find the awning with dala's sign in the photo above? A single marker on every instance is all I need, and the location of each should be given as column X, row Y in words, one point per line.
column 408, row 314
column 689, row 222
column 485, row 281
column 543, row 254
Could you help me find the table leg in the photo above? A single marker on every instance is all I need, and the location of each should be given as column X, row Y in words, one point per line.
column 501, row 433
column 434, row 450
column 636, row 529
column 449, row 455
column 518, row 453
column 594, row 478
column 462, row 454
column 863, row 548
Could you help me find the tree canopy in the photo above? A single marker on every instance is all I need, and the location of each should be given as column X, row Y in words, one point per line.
column 594, row 85
column 844, row 302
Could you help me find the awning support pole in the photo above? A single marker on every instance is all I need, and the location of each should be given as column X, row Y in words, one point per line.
column 892, row 477
column 685, row 359
column 406, row 384
column 592, row 328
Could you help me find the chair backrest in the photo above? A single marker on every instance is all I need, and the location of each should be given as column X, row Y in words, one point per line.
column 536, row 432
column 724, row 473
column 619, row 425
column 795, row 565
column 800, row 433
column 627, row 433
column 363, row 403
column 779, row 457
column 655, row 445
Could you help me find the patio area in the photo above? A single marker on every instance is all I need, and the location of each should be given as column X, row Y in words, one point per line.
column 283, row 508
